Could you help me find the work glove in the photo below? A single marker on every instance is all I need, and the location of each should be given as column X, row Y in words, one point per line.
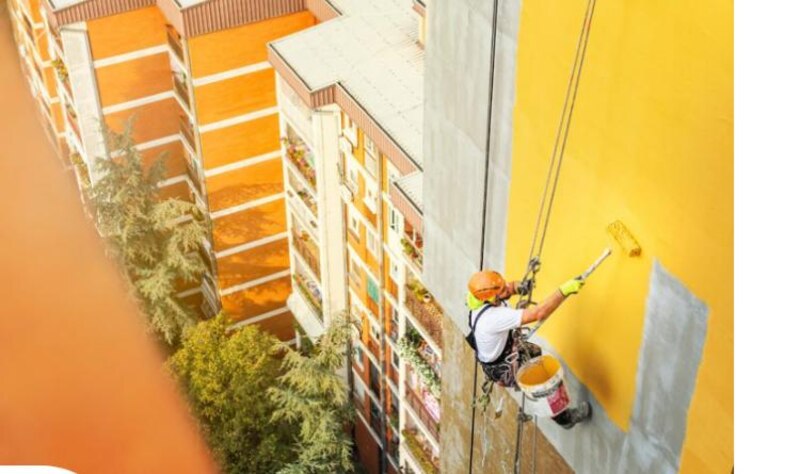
column 571, row 286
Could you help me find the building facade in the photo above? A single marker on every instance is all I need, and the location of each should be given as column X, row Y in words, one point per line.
column 350, row 97
column 193, row 81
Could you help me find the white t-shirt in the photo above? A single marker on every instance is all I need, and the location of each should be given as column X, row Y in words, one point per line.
column 491, row 332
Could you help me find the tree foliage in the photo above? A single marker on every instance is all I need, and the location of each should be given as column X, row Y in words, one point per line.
column 312, row 397
column 157, row 241
column 226, row 376
column 262, row 405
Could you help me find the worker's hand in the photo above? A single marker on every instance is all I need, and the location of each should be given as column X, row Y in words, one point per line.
column 523, row 287
column 571, row 286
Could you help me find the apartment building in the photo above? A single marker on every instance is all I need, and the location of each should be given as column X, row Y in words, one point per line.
column 36, row 59
column 350, row 100
column 194, row 79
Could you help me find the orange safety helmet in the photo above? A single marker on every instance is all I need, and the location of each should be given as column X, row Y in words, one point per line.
column 486, row 284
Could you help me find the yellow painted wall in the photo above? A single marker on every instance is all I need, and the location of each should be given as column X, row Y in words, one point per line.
column 650, row 144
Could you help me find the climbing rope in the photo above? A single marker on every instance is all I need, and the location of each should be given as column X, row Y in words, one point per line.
column 556, row 160
column 483, row 217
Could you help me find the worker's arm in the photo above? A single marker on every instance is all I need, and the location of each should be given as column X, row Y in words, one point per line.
column 543, row 310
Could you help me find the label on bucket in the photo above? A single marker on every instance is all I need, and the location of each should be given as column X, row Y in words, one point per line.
column 559, row 399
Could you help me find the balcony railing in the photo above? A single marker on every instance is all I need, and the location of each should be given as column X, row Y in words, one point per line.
column 425, row 310
column 72, row 118
column 412, row 253
column 418, row 406
column 307, row 252
column 174, row 41
column 181, row 89
column 187, row 131
column 191, row 171
column 374, row 348
column 296, row 153
column 313, row 299
column 421, row 453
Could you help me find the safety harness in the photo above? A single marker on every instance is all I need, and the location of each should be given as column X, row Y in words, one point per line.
column 503, row 369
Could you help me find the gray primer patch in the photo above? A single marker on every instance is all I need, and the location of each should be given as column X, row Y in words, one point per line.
column 672, row 346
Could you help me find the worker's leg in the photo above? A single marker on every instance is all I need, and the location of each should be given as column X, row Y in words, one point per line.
column 572, row 416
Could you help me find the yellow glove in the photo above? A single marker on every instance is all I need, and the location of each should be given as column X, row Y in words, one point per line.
column 571, row 286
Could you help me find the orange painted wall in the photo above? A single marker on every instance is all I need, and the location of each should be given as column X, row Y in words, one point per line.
column 126, row 32
column 254, row 263
column 258, row 299
column 134, row 79
column 281, row 326
column 174, row 162
column 178, row 190
column 245, row 184
column 242, row 46
column 236, row 96
column 245, row 140
column 251, row 224
column 151, row 121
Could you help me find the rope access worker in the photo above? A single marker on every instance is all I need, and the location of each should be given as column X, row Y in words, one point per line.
column 492, row 324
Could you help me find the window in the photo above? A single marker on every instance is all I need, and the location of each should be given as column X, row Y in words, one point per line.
column 354, row 225
column 350, row 130
column 375, row 331
column 371, row 157
column 371, row 197
column 358, row 357
column 394, row 270
column 373, row 290
column 395, row 360
column 352, row 177
column 355, row 274
column 373, row 243
column 395, row 220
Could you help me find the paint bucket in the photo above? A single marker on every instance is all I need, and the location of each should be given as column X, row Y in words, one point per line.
column 542, row 380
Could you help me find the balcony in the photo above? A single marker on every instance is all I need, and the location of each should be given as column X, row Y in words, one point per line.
column 302, row 245
column 175, row 43
column 422, row 359
column 374, row 348
column 194, row 176
column 412, row 247
column 310, row 292
column 421, row 452
column 426, row 408
column 181, row 89
column 187, row 131
column 308, row 199
column 72, row 118
column 63, row 76
column 81, row 170
column 425, row 310
column 300, row 157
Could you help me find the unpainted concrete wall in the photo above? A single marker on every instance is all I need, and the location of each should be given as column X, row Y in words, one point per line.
column 457, row 71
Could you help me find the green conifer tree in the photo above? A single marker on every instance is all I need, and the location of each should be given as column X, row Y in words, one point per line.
column 310, row 395
column 157, row 241
column 226, row 376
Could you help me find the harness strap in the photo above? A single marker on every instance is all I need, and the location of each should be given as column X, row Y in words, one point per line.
column 472, row 325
